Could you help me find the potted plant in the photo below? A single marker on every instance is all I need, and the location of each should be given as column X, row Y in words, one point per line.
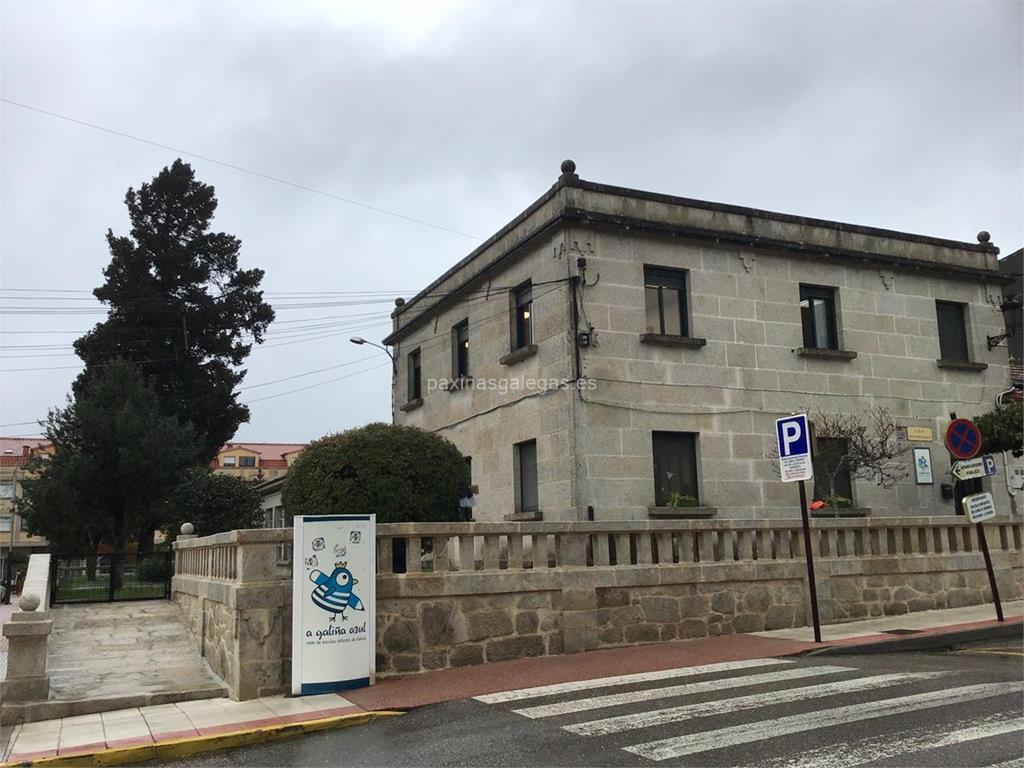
column 681, row 500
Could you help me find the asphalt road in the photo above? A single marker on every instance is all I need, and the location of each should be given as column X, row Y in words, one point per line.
column 945, row 709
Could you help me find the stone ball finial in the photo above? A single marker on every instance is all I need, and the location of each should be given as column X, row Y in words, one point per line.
column 399, row 302
column 29, row 601
column 984, row 237
column 188, row 529
column 568, row 166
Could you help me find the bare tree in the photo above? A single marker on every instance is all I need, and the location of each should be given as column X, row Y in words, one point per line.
column 866, row 445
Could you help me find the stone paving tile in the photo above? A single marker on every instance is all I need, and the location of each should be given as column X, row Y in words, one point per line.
column 288, row 706
column 327, row 701
column 166, row 721
column 80, row 731
column 124, row 726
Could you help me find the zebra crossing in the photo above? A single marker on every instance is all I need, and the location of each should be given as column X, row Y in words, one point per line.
column 688, row 714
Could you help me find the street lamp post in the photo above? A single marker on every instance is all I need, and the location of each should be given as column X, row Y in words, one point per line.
column 394, row 368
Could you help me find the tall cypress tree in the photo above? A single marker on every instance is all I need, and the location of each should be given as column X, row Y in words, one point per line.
column 180, row 309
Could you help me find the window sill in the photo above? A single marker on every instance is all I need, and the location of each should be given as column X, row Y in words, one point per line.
column 668, row 340
column 960, row 365
column 525, row 517
column 682, row 513
column 826, row 354
column 518, row 355
column 457, row 385
column 412, row 405
column 827, row 513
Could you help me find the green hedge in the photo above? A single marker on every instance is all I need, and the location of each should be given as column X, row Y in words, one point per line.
column 401, row 474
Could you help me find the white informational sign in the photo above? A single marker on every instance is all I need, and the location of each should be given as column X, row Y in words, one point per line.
column 333, row 603
column 794, row 444
column 923, row 466
column 980, row 507
column 971, row 469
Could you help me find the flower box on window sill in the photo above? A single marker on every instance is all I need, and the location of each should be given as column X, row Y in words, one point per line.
column 412, row 405
column 826, row 354
column 531, row 516
column 669, row 340
column 457, row 385
column 961, row 365
column 827, row 512
column 519, row 354
column 682, row 513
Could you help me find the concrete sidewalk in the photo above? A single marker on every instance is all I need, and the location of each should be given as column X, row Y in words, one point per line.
column 184, row 724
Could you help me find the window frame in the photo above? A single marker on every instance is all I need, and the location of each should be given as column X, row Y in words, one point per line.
column 964, row 327
column 843, row 482
column 414, row 375
column 672, row 278
column 690, row 443
column 460, row 350
column 521, row 504
column 522, row 327
column 229, row 461
column 808, row 323
column 247, row 461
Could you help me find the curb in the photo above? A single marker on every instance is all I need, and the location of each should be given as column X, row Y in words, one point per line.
column 177, row 748
column 925, row 642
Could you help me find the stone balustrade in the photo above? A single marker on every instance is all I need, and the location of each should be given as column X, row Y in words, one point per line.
column 440, row 547
column 454, row 594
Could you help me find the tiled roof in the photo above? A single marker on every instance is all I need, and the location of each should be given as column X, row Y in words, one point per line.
column 16, row 451
column 268, row 451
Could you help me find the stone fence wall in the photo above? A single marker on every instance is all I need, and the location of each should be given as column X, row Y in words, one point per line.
column 456, row 594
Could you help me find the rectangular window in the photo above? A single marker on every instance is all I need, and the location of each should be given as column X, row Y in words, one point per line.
column 5, row 523
column 6, row 490
column 414, row 375
column 952, row 331
column 675, row 469
column 227, row 461
column 831, row 475
column 665, row 301
column 526, row 476
column 460, row 351
column 247, row 461
column 818, row 314
column 268, row 518
column 522, row 317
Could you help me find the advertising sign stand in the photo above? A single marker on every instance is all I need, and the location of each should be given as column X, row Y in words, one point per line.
column 794, row 444
column 333, row 603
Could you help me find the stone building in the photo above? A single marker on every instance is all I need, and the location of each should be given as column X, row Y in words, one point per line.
column 612, row 352
column 15, row 455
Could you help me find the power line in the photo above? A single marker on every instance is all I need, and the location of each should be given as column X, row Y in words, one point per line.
column 239, row 168
column 319, row 384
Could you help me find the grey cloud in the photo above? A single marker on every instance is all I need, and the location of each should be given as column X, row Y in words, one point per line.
column 902, row 115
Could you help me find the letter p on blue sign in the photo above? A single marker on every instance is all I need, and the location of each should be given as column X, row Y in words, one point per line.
column 793, row 438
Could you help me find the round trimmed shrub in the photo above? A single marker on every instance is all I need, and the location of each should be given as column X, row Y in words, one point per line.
column 401, row 474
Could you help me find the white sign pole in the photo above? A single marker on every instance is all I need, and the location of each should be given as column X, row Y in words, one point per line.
column 334, row 575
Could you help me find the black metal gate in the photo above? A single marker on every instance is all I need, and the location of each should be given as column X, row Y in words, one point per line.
column 111, row 577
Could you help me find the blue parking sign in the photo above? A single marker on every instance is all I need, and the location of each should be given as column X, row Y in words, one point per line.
column 794, row 445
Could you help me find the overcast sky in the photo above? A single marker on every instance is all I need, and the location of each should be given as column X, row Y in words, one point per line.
column 899, row 115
